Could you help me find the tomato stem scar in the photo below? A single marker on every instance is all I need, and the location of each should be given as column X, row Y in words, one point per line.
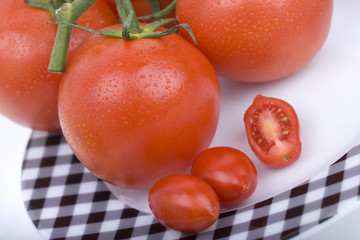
column 286, row 158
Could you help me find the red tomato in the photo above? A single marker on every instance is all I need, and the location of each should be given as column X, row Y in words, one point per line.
column 273, row 131
column 135, row 111
column 28, row 92
column 228, row 171
column 184, row 203
column 142, row 7
column 257, row 40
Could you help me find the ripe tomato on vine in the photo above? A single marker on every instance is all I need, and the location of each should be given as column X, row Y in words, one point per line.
column 134, row 111
column 28, row 92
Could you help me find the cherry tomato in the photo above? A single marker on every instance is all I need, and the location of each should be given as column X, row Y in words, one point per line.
column 228, row 171
column 184, row 203
column 142, row 7
column 28, row 92
column 257, row 40
column 273, row 131
column 135, row 111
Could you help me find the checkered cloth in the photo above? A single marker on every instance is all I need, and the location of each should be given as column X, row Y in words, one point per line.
column 66, row 201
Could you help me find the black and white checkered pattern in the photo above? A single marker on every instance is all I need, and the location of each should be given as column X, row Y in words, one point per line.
column 66, row 201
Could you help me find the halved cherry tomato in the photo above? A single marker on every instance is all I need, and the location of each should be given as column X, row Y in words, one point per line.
column 273, row 131
column 184, row 203
column 228, row 171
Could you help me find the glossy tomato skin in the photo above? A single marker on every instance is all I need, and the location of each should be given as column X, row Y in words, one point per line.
column 273, row 131
column 184, row 203
column 135, row 111
column 256, row 40
column 229, row 172
column 28, row 92
column 142, row 7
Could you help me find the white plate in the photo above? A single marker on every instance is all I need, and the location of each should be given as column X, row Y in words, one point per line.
column 325, row 94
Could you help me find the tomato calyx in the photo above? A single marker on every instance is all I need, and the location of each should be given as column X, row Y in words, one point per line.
column 133, row 30
column 69, row 12
column 146, row 31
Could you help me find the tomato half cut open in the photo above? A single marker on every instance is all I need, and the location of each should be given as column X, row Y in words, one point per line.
column 273, row 131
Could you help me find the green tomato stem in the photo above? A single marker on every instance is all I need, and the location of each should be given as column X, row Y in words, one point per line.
column 80, row 6
column 62, row 40
column 134, row 25
column 48, row 5
column 163, row 13
column 148, row 31
column 116, row 33
column 154, row 5
column 69, row 12
column 120, row 10
column 127, row 26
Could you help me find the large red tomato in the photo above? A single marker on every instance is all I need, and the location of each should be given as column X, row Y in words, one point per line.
column 134, row 111
column 257, row 40
column 28, row 92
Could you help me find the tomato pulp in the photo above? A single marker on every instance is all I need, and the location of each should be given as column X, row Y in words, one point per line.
column 273, row 131
column 134, row 111
column 28, row 92
column 257, row 40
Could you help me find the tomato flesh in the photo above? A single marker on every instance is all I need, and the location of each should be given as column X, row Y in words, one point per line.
column 272, row 128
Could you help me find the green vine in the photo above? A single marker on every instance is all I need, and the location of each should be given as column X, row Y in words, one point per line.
column 48, row 5
column 154, row 5
column 67, row 12
column 161, row 14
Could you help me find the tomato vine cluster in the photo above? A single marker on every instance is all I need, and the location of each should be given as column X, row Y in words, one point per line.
column 139, row 104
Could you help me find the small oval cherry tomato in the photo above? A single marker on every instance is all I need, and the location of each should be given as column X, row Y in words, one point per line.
column 257, row 40
column 228, row 171
column 184, row 203
column 28, row 92
column 273, row 131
